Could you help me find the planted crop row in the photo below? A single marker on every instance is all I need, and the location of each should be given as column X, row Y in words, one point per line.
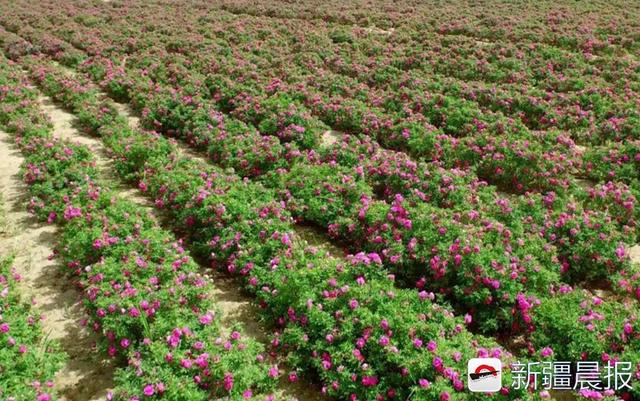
column 345, row 321
column 28, row 361
column 348, row 87
column 335, row 189
column 142, row 290
column 196, row 219
column 334, row 196
column 214, row 76
column 526, row 163
column 489, row 283
column 590, row 243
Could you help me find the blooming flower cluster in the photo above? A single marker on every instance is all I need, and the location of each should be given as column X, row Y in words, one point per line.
column 141, row 289
column 26, row 373
column 249, row 233
column 458, row 176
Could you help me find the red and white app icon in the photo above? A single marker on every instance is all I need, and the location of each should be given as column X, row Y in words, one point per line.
column 484, row 375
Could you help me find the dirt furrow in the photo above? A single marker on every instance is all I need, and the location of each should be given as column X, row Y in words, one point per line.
column 634, row 253
column 63, row 122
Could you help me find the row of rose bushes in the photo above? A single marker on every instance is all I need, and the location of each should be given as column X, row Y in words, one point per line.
column 502, row 152
column 142, row 289
column 275, row 108
column 620, row 166
column 325, row 208
column 332, row 188
column 252, row 159
column 200, row 214
column 249, row 165
column 333, row 197
column 555, row 78
column 577, row 28
column 500, row 149
column 342, row 319
column 196, row 123
column 279, row 108
column 625, row 192
column 619, row 161
column 564, row 62
column 329, row 82
column 526, row 163
column 28, row 361
column 170, row 111
column 613, row 121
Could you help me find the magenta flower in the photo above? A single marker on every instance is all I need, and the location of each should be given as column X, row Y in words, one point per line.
column 72, row 212
column 369, row 381
column 148, row 390
column 424, row 383
column 228, row 381
column 206, row 318
column 353, row 304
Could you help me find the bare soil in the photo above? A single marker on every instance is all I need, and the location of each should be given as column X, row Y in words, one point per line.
column 634, row 253
column 330, row 137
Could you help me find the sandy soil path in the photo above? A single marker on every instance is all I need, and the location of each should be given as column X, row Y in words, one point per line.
column 634, row 253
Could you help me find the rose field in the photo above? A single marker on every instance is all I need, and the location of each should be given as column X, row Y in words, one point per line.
column 318, row 200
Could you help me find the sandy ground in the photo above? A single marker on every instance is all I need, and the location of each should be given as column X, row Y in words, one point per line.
column 330, row 137
column 85, row 376
column 316, row 237
column 379, row 31
column 65, row 126
column 238, row 309
column 634, row 253
column 125, row 110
